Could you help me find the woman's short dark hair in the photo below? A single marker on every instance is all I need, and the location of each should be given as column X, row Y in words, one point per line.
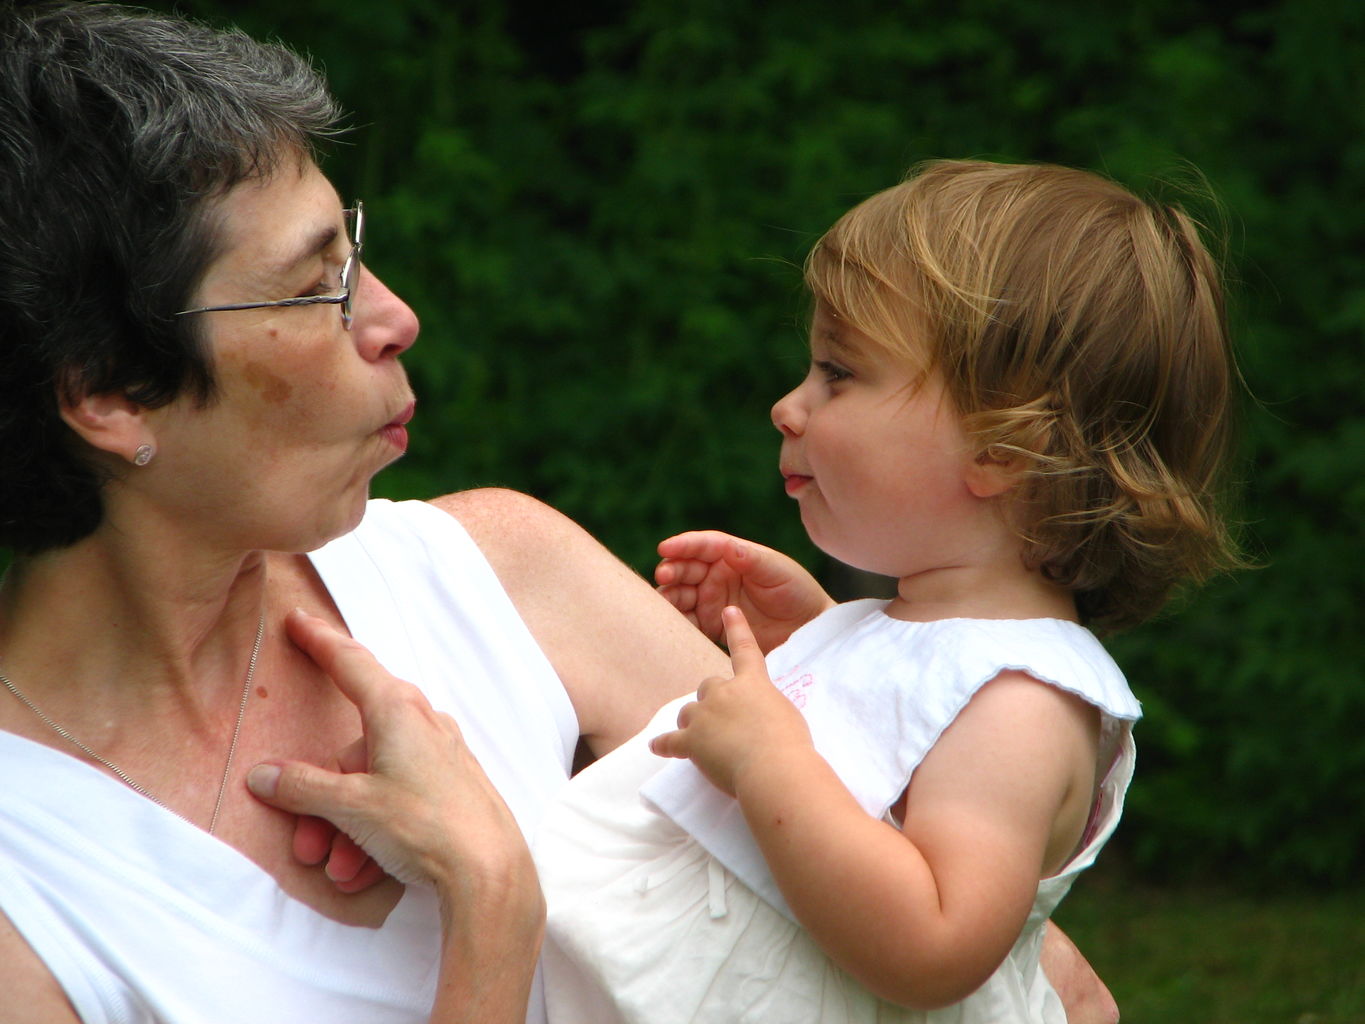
column 116, row 127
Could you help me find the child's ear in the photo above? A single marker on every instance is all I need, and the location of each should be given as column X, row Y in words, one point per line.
column 109, row 422
column 993, row 472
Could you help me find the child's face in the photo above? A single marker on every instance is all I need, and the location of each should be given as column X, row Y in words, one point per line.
column 875, row 454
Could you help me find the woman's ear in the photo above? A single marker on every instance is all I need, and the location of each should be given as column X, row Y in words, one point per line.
column 992, row 472
column 108, row 422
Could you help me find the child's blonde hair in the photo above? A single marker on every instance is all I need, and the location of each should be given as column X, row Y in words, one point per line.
column 1080, row 332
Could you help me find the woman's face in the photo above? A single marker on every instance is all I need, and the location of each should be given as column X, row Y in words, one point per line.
column 305, row 412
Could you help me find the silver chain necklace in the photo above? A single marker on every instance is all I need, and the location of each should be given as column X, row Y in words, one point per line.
column 123, row 776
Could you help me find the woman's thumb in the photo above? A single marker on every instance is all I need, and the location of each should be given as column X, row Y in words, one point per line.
column 298, row 787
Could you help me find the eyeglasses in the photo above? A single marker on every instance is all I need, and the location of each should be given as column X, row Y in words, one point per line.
column 349, row 270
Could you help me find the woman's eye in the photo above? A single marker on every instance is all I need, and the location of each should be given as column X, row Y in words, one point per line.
column 329, row 285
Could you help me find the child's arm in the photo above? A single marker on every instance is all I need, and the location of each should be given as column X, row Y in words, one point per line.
column 921, row 917
column 705, row 571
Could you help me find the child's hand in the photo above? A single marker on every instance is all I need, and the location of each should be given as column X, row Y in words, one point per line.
column 704, row 571
column 737, row 719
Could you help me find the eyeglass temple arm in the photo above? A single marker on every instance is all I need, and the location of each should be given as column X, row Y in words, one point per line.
column 302, row 300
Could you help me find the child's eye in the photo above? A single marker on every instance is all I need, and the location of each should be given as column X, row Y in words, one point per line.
column 832, row 372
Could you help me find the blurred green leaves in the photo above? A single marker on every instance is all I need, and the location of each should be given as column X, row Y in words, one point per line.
column 600, row 219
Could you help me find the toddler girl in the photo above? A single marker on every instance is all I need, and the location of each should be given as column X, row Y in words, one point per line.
column 1018, row 406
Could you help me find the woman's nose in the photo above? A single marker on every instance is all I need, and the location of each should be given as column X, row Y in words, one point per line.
column 384, row 324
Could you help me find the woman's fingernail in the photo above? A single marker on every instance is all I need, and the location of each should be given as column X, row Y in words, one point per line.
column 263, row 779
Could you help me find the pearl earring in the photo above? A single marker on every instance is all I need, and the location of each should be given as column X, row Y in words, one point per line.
column 143, row 455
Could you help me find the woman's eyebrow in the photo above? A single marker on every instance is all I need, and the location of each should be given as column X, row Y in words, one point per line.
column 317, row 242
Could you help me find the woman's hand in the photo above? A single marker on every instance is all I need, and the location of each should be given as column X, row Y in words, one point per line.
column 705, row 571
column 735, row 719
column 425, row 811
column 318, row 841
column 418, row 775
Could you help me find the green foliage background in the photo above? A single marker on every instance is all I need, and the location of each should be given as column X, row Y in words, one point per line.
column 598, row 213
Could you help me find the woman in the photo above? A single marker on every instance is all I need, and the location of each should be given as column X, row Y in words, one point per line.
column 200, row 378
column 167, row 463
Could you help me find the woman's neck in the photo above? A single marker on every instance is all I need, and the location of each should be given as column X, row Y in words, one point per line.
column 144, row 659
column 137, row 615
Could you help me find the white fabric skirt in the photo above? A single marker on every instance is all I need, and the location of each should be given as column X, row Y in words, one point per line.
column 645, row 927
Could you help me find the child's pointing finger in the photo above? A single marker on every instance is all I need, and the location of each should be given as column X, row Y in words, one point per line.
column 739, row 638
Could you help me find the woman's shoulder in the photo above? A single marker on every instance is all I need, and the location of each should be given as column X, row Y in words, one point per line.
column 521, row 537
column 499, row 517
column 486, row 504
column 505, row 526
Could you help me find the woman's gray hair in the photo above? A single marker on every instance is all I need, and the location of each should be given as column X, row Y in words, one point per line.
column 117, row 127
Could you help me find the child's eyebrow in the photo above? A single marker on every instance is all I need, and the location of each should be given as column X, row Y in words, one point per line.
column 836, row 341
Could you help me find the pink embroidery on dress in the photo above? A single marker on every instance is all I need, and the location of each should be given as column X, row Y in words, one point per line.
column 794, row 689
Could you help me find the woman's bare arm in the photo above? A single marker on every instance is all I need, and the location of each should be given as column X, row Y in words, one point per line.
column 32, row 995
column 621, row 650
column 1085, row 996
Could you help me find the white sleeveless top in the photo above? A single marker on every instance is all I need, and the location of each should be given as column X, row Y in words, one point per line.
column 142, row 917
column 661, row 907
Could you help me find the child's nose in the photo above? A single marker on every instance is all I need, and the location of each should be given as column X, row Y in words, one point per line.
column 788, row 414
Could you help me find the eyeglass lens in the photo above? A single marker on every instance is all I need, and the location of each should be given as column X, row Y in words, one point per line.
column 350, row 271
